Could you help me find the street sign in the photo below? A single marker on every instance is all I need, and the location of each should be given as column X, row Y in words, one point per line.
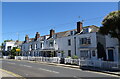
column 18, row 50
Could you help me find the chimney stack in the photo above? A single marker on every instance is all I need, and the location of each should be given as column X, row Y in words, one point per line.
column 26, row 38
column 37, row 35
column 52, row 32
column 79, row 26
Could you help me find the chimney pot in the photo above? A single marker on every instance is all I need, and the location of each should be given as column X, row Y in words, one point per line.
column 79, row 26
column 26, row 38
column 37, row 35
column 52, row 32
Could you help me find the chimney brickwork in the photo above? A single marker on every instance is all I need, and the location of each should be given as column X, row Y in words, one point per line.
column 79, row 26
column 26, row 38
column 37, row 35
column 52, row 32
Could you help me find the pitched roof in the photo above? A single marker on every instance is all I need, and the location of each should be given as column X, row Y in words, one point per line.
column 65, row 33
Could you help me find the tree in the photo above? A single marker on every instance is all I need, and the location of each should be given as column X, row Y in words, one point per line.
column 111, row 26
column 13, row 52
column 100, row 48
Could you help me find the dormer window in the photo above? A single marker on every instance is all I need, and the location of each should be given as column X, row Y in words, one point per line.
column 55, row 35
column 85, row 30
column 44, row 37
column 74, row 32
column 71, row 32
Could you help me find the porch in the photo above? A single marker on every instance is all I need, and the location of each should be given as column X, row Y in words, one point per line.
column 48, row 53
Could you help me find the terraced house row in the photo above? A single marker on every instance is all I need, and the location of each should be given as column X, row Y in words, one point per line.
column 85, row 42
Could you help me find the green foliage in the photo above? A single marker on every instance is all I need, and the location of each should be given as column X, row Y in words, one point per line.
column 74, row 57
column 68, row 57
column 13, row 52
column 62, row 52
column 8, row 40
column 3, row 53
column 100, row 48
column 111, row 25
column 51, row 54
column 2, row 45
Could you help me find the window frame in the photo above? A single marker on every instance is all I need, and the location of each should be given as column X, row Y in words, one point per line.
column 69, row 42
column 69, row 53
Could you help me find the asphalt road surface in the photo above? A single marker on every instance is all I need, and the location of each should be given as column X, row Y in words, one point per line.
column 37, row 70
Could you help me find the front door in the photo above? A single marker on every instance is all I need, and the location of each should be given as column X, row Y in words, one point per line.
column 110, row 55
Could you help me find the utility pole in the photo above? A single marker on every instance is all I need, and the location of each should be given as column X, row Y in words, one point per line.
column 18, row 35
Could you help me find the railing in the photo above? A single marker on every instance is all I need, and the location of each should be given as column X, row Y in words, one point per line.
column 18, row 57
column 48, row 59
column 99, row 64
column 41, row 59
column 72, row 61
column 6, row 57
column 93, row 63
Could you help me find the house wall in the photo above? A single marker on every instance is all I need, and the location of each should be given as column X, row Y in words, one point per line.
column 102, row 48
column 6, row 44
column 63, row 45
column 75, row 48
column 112, row 44
column 88, row 47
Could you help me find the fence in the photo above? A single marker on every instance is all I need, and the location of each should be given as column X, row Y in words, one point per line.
column 6, row 57
column 72, row 61
column 41, row 59
column 100, row 64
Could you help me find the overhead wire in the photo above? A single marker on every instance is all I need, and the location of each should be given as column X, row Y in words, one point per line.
column 23, row 32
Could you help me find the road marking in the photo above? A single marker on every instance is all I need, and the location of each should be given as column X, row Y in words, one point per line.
column 77, row 69
column 48, row 70
column 87, row 71
column 25, row 65
column 26, row 74
column 10, row 63
column 11, row 73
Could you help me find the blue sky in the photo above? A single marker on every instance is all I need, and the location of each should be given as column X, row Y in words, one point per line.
column 30, row 17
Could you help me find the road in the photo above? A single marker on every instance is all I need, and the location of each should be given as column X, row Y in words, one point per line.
column 28, row 69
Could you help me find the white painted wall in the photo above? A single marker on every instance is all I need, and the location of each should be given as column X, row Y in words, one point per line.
column 88, row 47
column 6, row 44
column 112, row 43
column 61, row 44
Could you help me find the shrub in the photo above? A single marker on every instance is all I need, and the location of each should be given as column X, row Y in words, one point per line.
column 74, row 57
